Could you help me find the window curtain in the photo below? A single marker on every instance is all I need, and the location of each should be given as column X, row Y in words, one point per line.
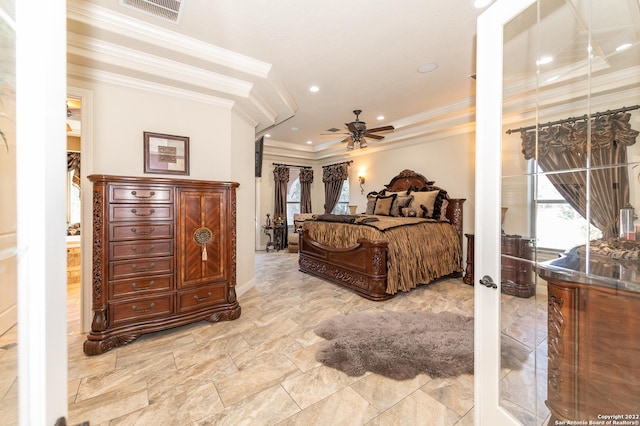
column 73, row 163
column 281, row 178
column 565, row 148
column 333, row 177
column 306, row 178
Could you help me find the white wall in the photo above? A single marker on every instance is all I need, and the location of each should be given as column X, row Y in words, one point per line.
column 242, row 158
column 221, row 146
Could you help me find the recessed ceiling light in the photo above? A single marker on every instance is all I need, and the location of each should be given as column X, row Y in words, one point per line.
column 427, row 67
column 623, row 47
column 544, row 60
column 294, row 129
column 380, row 117
column 309, row 142
column 314, row 89
column 267, row 135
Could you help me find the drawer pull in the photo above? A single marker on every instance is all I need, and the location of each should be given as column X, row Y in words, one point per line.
column 151, row 194
column 135, row 211
column 151, row 247
column 136, row 288
column 134, row 308
column 151, row 265
column 204, row 298
column 135, row 231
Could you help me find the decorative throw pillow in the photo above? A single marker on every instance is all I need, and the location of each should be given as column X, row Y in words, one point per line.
column 399, row 193
column 398, row 204
column 383, row 205
column 443, row 209
column 437, row 205
column 372, row 197
column 426, row 199
column 411, row 212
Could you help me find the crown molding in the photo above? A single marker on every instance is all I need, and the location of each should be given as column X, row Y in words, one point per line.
column 93, row 74
column 123, row 25
column 249, row 84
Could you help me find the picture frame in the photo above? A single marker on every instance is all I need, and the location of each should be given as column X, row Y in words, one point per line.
column 166, row 154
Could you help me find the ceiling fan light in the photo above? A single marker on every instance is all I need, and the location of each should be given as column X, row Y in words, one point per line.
column 363, row 143
column 350, row 144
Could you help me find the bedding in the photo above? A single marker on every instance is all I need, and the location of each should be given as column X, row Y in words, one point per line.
column 420, row 250
column 410, row 234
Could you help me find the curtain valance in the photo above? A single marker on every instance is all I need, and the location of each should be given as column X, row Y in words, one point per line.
column 607, row 132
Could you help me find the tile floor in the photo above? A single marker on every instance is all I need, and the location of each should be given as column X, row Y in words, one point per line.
column 260, row 369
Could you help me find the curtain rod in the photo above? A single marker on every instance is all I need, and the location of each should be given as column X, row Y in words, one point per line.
column 338, row 164
column 572, row 119
column 291, row 165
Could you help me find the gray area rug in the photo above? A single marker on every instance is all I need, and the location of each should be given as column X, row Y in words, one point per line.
column 401, row 345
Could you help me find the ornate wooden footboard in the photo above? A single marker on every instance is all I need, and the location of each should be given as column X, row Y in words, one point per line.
column 363, row 267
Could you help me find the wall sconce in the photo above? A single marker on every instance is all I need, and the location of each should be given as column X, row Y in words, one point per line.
column 361, row 180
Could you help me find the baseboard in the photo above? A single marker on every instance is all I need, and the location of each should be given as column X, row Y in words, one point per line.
column 243, row 288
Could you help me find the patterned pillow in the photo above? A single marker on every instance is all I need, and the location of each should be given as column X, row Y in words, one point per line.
column 411, row 212
column 399, row 193
column 426, row 199
column 399, row 204
column 372, row 197
column 383, row 205
column 437, row 205
column 443, row 209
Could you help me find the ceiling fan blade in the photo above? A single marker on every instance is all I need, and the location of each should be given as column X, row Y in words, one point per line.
column 374, row 136
column 346, row 139
column 341, row 133
column 380, row 129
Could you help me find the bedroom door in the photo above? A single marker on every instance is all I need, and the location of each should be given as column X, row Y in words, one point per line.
column 545, row 68
column 494, row 26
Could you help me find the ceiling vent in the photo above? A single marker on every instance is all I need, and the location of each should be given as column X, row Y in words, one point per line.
column 170, row 10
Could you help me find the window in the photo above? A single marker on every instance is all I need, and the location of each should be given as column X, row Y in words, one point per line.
column 560, row 226
column 342, row 206
column 293, row 195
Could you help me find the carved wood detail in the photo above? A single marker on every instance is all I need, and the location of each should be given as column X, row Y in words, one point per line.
column 194, row 275
column 369, row 277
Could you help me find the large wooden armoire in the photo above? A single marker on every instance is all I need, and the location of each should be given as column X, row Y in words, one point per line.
column 164, row 255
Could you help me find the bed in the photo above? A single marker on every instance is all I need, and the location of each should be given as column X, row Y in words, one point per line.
column 378, row 255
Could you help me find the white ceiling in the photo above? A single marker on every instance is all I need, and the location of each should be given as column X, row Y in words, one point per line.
column 261, row 57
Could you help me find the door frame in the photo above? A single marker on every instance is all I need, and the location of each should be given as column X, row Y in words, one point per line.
column 40, row 202
column 86, row 235
column 489, row 92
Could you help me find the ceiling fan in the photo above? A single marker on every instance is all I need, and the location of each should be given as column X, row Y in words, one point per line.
column 358, row 132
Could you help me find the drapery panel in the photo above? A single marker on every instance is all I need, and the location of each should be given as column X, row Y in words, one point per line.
column 565, row 149
column 333, row 177
column 73, row 163
column 281, row 178
column 306, row 179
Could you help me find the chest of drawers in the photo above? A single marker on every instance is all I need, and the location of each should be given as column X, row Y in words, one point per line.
column 163, row 256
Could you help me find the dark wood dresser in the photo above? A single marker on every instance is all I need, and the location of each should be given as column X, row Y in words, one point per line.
column 163, row 256
column 518, row 276
column 593, row 344
column 517, row 271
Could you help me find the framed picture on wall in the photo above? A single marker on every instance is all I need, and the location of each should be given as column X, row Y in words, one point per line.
column 166, row 154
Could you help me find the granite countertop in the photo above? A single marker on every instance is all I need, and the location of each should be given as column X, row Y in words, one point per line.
column 613, row 264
